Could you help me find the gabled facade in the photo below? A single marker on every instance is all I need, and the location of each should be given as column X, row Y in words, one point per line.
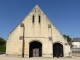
column 41, row 38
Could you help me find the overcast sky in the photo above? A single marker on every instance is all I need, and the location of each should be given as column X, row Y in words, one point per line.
column 64, row 14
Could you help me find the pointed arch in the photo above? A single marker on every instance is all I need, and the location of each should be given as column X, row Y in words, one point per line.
column 35, row 49
column 57, row 50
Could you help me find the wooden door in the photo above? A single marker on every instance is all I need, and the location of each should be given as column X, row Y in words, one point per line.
column 36, row 52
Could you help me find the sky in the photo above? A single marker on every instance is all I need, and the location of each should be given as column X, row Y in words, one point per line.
column 64, row 14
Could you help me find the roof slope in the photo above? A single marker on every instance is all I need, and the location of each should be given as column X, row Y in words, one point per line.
column 76, row 39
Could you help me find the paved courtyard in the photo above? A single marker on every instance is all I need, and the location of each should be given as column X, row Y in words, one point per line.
column 3, row 57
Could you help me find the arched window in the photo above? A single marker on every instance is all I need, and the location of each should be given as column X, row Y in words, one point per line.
column 39, row 19
column 33, row 19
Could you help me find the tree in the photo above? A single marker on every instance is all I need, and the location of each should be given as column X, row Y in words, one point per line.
column 2, row 45
column 68, row 38
column 2, row 41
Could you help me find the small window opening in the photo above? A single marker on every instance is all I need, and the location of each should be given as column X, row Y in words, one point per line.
column 33, row 19
column 39, row 19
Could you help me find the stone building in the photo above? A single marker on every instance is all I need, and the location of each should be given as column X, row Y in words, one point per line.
column 76, row 45
column 36, row 36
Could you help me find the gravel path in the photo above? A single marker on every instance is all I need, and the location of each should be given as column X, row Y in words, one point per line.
column 3, row 57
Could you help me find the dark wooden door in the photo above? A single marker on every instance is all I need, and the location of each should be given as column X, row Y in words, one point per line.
column 57, row 50
column 36, row 52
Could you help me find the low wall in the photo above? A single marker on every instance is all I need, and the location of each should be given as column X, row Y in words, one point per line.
column 76, row 54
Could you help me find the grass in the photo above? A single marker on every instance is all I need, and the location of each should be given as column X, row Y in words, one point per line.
column 2, row 48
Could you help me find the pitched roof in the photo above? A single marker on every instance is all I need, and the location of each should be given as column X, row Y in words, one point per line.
column 76, row 40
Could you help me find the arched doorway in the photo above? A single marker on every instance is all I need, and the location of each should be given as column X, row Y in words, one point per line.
column 35, row 49
column 57, row 50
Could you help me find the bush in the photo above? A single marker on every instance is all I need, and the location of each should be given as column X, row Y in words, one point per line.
column 2, row 48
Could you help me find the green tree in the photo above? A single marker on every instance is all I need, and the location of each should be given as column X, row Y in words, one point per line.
column 68, row 38
column 2, row 45
column 2, row 41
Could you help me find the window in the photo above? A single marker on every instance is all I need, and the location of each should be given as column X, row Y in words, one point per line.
column 39, row 19
column 33, row 19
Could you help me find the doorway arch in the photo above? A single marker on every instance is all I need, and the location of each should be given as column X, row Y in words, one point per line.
column 57, row 50
column 35, row 49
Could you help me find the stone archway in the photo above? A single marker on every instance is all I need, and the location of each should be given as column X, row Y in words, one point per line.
column 57, row 50
column 35, row 49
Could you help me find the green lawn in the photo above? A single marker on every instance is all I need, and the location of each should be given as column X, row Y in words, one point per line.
column 2, row 48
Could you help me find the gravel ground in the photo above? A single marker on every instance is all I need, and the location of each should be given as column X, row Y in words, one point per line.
column 3, row 57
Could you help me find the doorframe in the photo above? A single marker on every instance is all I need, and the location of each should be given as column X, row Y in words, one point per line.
column 38, row 42
column 62, row 48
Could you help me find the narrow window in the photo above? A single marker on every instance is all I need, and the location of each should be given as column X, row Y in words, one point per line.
column 39, row 19
column 33, row 19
